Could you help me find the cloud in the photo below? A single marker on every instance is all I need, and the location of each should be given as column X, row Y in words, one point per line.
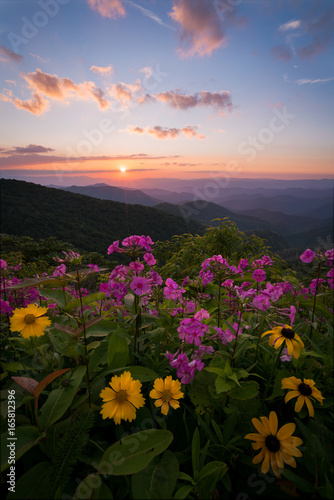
column 281, row 52
column 200, row 28
column 149, row 14
column 291, row 25
column 124, row 92
column 51, row 86
column 39, row 58
column 167, row 133
column 7, row 55
column 32, row 148
column 36, row 105
column 102, row 71
column 313, row 49
column 108, row 8
column 305, row 81
column 218, row 100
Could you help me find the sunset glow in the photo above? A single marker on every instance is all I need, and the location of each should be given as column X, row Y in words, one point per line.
column 182, row 89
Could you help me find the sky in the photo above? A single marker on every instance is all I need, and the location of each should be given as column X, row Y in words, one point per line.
column 120, row 91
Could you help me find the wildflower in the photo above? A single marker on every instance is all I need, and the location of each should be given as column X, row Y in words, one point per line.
column 166, row 392
column 307, row 256
column 3, row 264
column 305, row 391
column 277, row 446
column 28, row 321
column 114, row 248
column 285, row 334
column 136, row 266
column 59, row 271
column 259, row 275
column 262, row 301
column 122, row 399
column 149, row 259
column 140, row 285
column 94, row 268
column 285, row 356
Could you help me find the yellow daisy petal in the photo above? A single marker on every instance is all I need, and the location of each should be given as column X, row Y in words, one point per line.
column 273, row 422
column 299, row 403
column 286, row 431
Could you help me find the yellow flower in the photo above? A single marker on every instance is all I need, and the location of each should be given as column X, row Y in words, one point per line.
column 166, row 392
column 122, row 399
column 28, row 321
column 276, row 447
column 285, row 334
column 305, row 391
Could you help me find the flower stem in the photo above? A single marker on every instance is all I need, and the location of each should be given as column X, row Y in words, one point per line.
column 85, row 338
column 273, row 370
column 315, row 298
column 236, row 338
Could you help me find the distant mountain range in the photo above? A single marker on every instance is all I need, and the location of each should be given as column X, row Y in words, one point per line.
column 89, row 216
column 90, row 224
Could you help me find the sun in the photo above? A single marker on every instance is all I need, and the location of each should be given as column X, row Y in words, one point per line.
column 122, row 169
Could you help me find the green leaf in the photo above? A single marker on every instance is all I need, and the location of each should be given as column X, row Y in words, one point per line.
column 118, row 351
column 183, row 492
column 142, row 373
column 298, row 481
column 158, row 480
column 247, row 390
column 211, row 468
column 195, row 450
column 58, row 296
column 223, row 385
column 34, row 483
column 59, row 400
column 134, row 452
column 93, row 297
column 26, row 437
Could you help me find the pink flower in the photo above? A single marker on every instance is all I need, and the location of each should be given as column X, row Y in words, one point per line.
column 136, row 266
column 259, row 275
column 266, row 260
column 149, row 259
column 140, row 285
column 114, row 248
column 307, row 256
column 262, row 301
column 3, row 264
column 146, row 242
column 60, row 270
column 93, row 267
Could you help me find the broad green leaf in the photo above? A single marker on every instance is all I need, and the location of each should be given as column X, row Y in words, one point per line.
column 93, row 297
column 36, row 282
column 26, row 437
column 223, row 385
column 118, row 351
column 89, row 488
column 134, row 452
column 142, row 374
column 59, row 400
column 60, row 297
column 211, row 468
column 33, row 484
column 101, row 329
column 247, row 390
column 158, row 480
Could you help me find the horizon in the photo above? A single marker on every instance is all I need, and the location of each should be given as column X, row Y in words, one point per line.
column 124, row 92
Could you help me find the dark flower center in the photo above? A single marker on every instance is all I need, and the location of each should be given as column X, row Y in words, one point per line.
column 305, row 389
column 272, row 443
column 287, row 333
column 29, row 319
column 121, row 396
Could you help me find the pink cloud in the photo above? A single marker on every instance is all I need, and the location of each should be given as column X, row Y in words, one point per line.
column 53, row 87
column 168, row 133
column 124, row 92
column 102, row 71
column 8, row 55
column 108, row 8
column 200, row 27
column 219, row 100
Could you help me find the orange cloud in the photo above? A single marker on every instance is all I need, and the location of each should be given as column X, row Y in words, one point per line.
column 219, row 100
column 124, row 92
column 55, row 88
column 102, row 71
column 108, row 8
column 167, row 133
column 200, row 27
